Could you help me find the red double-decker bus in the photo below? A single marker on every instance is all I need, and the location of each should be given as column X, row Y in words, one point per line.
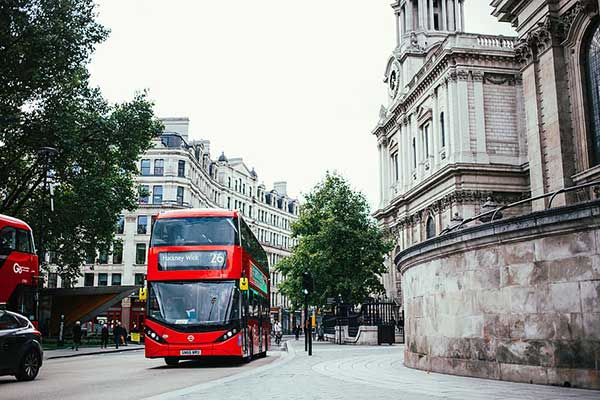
column 208, row 287
column 18, row 267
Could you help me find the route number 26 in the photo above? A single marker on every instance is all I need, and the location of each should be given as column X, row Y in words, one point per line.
column 217, row 258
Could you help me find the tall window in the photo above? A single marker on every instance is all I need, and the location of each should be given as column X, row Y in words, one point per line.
column 442, row 130
column 159, row 167
column 103, row 257
column 157, row 194
column 121, row 224
column 117, row 253
column 115, row 279
column 395, row 167
column 592, row 69
column 140, row 253
column 430, row 227
column 144, row 191
column 179, row 194
column 88, row 279
column 138, row 279
column 426, row 140
column 145, row 170
column 102, row 279
column 142, row 224
column 181, row 168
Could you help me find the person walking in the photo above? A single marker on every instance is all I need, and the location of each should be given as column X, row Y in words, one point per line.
column 124, row 335
column 76, row 336
column 104, row 336
column 297, row 331
column 117, row 334
column 278, row 332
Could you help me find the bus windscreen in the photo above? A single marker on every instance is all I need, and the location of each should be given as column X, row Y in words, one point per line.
column 194, row 303
column 193, row 231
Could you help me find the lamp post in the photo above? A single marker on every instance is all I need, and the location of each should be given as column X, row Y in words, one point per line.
column 45, row 154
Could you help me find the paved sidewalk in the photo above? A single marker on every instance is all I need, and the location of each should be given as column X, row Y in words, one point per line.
column 361, row 372
column 87, row 351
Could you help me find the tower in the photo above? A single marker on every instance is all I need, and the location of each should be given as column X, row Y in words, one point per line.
column 420, row 25
column 433, row 18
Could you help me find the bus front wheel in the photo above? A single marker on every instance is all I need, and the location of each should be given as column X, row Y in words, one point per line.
column 171, row 361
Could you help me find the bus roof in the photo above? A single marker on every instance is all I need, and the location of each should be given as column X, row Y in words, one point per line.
column 198, row 212
column 12, row 221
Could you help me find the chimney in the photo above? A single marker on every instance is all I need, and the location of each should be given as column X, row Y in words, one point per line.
column 177, row 125
column 281, row 188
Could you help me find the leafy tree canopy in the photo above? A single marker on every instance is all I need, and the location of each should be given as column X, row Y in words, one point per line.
column 338, row 243
column 46, row 101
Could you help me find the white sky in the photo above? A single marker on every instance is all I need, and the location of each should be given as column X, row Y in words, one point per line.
column 293, row 87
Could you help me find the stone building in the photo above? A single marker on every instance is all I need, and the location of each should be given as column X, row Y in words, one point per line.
column 559, row 54
column 516, row 298
column 452, row 133
column 180, row 173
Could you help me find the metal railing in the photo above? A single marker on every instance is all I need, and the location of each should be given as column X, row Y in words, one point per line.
column 496, row 210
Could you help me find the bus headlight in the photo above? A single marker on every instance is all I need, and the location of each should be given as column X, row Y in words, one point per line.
column 154, row 336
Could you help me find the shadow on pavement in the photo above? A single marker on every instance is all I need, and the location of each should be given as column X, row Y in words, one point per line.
column 216, row 362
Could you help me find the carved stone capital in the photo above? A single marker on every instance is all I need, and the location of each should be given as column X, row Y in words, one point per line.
column 477, row 75
column 462, row 75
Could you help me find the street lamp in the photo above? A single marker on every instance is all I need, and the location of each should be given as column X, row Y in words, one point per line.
column 44, row 154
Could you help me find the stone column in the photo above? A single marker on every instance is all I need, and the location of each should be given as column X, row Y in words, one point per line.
column 430, row 14
column 410, row 15
column 451, row 15
column 482, row 155
column 453, row 125
column 380, row 150
column 444, row 22
column 406, row 153
column 435, row 132
column 422, row 14
column 386, row 173
column 403, row 21
column 464, row 149
column 462, row 15
column 398, row 28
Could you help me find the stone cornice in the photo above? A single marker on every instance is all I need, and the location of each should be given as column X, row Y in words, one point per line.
column 442, row 175
column 537, row 224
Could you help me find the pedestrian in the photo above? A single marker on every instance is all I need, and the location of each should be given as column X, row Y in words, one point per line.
column 76, row 336
column 321, row 333
column 297, row 331
column 117, row 333
column 124, row 335
column 104, row 336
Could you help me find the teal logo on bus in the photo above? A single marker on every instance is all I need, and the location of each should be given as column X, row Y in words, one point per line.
column 259, row 279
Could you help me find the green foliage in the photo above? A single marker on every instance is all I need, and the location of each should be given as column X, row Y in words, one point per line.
column 338, row 243
column 46, row 101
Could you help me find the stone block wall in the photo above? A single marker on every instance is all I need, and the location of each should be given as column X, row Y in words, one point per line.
column 515, row 300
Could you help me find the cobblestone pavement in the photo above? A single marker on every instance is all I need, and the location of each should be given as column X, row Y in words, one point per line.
column 356, row 372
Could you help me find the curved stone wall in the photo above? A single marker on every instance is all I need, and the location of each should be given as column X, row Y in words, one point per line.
column 515, row 300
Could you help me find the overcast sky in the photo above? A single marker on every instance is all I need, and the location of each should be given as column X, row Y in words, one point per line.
column 293, row 87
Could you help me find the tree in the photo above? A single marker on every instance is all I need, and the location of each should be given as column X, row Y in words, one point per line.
column 46, row 101
column 338, row 243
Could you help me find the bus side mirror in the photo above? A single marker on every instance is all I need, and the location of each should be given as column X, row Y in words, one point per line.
column 244, row 284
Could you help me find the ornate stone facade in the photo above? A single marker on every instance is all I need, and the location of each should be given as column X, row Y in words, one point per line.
column 452, row 132
column 550, row 50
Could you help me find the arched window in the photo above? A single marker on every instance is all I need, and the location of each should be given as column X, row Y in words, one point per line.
column 592, row 71
column 430, row 227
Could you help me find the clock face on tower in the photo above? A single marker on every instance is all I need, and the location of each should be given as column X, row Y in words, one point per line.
column 394, row 81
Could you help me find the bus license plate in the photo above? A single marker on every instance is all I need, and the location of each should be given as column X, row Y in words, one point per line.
column 190, row 352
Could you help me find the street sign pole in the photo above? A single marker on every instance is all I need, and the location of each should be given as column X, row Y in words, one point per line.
column 306, row 334
column 309, row 333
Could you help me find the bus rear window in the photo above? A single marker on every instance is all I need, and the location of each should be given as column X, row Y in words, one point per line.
column 195, row 231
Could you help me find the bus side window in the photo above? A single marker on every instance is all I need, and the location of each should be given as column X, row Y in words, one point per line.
column 8, row 240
